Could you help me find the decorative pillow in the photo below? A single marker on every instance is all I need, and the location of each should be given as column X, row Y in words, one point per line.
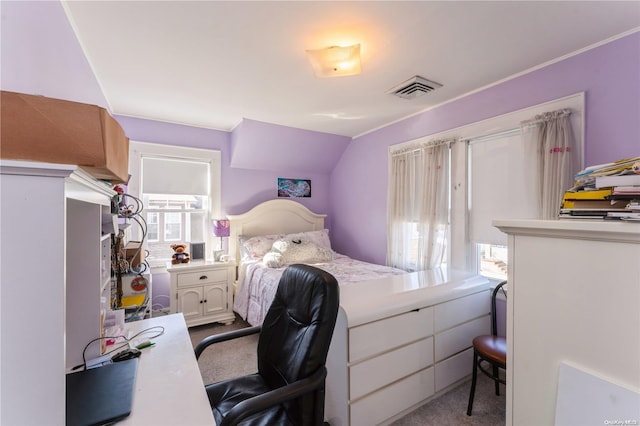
column 252, row 248
column 321, row 237
column 256, row 247
column 287, row 251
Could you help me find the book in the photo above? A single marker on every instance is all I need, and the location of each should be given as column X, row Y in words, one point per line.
column 596, row 194
column 595, row 204
column 617, row 180
column 624, row 215
column 626, row 190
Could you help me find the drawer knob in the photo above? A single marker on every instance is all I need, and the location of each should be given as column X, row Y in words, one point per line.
column 203, row 277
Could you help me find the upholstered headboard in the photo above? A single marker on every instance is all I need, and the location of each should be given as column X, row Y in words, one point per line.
column 280, row 216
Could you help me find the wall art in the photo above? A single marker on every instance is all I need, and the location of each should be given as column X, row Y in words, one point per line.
column 288, row 187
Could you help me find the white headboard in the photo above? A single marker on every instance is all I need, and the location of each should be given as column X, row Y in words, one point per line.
column 279, row 216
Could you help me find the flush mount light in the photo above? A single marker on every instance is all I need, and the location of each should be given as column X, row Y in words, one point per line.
column 335, row 61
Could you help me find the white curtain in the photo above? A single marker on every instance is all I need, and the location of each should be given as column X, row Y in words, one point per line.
column 552, row 136
column 418, row 206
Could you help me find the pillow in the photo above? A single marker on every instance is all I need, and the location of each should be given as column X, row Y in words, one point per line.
column 252, row 248
column 256, row 247
column 286, row 251
column 320, row 238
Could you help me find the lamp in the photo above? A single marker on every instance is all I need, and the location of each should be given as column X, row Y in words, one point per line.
column 335, row 61
column 221, row 228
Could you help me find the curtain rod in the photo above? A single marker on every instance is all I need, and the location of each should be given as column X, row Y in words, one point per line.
column 422, row 145
column 546, row 116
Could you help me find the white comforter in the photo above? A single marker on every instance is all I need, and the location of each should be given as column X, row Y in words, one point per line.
column 259, row 283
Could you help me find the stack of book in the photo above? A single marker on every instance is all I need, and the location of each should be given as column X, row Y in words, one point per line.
column 590, row 204
column 629, row 194
column 608, row 191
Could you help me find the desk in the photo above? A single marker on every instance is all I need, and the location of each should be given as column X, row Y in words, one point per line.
column 169, row 388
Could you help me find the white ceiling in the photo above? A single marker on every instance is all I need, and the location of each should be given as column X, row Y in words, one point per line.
column 212, row 63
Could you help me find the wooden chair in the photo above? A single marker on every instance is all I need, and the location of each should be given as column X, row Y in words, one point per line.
column 491, row 350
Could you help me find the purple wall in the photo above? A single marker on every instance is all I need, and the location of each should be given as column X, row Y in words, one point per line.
column 242, row 189
column 609, row 75
column 41, row 54
column 287, row 148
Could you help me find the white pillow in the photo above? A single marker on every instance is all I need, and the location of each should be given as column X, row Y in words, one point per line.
column 321, row 237
column 256, row 247
column 287, row 251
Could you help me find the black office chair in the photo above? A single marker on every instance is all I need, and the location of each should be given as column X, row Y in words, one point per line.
column 292, row 350
column 490, row 349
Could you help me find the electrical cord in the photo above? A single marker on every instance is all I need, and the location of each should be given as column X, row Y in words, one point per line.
column 158, row 331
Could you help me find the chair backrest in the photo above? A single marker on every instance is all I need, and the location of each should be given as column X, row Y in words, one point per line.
column 297, row 330
column 494, row 315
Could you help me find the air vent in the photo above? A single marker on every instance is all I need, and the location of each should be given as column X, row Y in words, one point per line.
column 414, row 87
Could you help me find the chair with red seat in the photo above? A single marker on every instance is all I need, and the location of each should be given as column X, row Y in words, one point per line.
column 489, row 353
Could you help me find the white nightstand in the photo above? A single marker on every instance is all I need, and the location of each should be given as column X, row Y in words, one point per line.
column 203, row 291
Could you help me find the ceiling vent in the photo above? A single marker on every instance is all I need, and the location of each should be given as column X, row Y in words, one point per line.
column 414, row 87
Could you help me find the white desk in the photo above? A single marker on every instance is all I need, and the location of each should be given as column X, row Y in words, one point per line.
column 169, row 388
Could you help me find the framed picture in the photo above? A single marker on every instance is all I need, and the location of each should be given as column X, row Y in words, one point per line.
column 288, row 187
column 197, row 251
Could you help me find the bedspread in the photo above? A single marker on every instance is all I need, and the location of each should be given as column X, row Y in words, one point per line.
column 259, row 283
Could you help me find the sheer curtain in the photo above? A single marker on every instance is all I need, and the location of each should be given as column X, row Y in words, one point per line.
column 552, row 136
column 418, row 206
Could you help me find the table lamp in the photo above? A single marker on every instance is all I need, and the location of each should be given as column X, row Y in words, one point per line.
column 221, row 228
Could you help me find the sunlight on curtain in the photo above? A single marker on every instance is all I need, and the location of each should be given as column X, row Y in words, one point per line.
column 557, row 158
column 418, row 202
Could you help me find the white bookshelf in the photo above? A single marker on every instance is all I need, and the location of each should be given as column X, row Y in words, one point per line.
column 52, row 276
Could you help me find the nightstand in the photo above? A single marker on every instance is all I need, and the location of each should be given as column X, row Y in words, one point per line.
column 203, row 291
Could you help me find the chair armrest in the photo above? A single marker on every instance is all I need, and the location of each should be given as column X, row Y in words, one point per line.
column 277, row 396
column 223, row 337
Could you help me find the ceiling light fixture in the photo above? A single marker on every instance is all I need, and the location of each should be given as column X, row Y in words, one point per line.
column 335, row 61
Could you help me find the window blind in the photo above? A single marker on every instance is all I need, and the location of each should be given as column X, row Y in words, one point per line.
column 175, row 176
column 502, row 184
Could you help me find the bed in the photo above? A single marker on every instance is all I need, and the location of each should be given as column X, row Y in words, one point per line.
column 400, row 338
column 253, row 237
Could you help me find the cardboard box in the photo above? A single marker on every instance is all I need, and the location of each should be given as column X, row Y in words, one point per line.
column 37, row 128
column 130, row 250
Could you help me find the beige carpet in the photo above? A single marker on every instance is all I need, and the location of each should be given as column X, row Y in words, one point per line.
column 236, row 358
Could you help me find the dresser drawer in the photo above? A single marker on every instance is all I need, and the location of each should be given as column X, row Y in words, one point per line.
column 381, row 336
column 460, row 338
column 453, row 369
column 454, row 312
column 377, row 372
column 393, row 399
column 201, row 277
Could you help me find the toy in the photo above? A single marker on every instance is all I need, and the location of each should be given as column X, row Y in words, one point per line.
column 636, row 167
column 180, row 256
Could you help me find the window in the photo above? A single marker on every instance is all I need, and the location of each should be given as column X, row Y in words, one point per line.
column 180, row 191
column 503, row 183
column 419, row 206
column 500, row 186
column 490, row 180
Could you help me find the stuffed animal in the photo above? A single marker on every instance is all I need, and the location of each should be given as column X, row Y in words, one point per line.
column 180, row 256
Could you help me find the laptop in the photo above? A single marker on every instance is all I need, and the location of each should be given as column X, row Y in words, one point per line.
column 101, row 396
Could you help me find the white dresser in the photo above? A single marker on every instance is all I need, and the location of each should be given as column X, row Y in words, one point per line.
column 574, row 295
column 400, row 341
column 203, row 291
